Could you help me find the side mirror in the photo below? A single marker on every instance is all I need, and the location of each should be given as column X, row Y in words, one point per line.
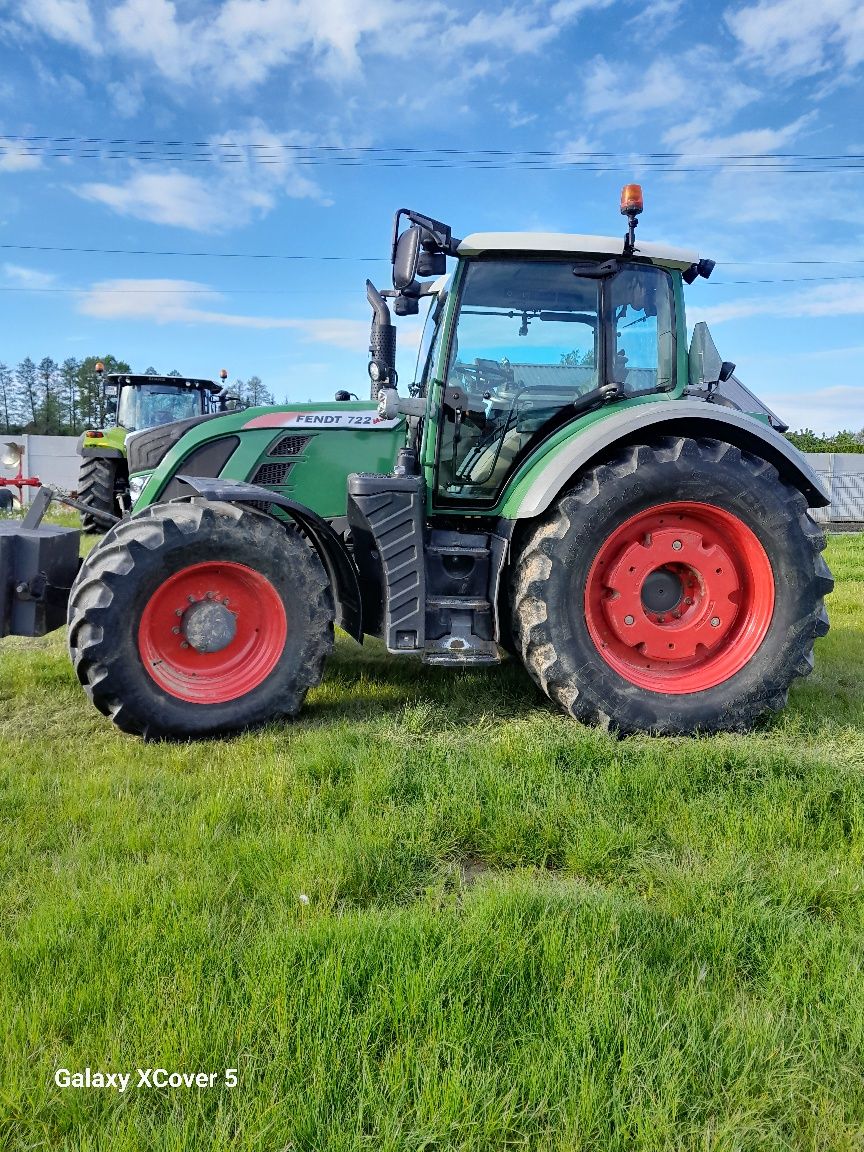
column 406, row 257
column 726, row 370
column 111, row 406
column 110, row 389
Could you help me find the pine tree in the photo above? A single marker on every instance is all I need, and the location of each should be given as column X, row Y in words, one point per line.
column 91, row 400
column 7, row 399
column 69, row 394
column 47, row 419
column 25, row 379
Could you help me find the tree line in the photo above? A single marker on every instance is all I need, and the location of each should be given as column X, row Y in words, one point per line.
column 844, row 441
column 61, row 399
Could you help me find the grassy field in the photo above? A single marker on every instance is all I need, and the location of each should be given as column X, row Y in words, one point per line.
column 434, row 914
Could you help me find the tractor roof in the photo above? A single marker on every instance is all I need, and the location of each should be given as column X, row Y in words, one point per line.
column 569, row 242
column 190, row 382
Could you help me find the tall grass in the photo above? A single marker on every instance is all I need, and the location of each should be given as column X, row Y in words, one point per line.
column 434, row 914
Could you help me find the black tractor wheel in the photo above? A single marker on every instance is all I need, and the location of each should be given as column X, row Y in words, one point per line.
column 97, row 478
column 193, row 619
column 677, row 588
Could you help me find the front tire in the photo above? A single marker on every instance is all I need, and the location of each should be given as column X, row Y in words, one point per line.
column 194, row 619
column 97, row 479
column 676, row 589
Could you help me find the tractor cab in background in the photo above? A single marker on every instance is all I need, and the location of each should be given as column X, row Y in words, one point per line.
column 134, row 403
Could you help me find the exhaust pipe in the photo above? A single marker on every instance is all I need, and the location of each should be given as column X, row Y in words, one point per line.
column 382, row 343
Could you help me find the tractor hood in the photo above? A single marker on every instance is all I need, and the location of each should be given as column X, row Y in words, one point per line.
column 301, row 451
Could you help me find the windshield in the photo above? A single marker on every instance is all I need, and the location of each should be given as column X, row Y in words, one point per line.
column 534, row 337
column 146, row 406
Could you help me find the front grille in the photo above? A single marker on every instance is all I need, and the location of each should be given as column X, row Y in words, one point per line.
column 269, row 475
column 289, row 446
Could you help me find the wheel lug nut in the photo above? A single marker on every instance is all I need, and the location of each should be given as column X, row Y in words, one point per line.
column 179, row 612
column 676, row 544
column 628, row 619
column 185, row 644
column 191, row 599
column 176, row 631
column 715, row 621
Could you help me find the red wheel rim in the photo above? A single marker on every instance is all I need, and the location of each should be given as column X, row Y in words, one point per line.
column 679, row 597
column 212, row 632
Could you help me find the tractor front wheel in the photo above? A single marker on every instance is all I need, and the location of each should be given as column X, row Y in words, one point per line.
column 677, row 588
column 193, row 619
column 97, row 479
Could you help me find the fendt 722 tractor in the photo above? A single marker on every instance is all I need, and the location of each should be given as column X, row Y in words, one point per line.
column 563, row 481
column 135, row 402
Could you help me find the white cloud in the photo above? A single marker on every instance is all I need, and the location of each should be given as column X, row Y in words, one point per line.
column 625, row 97
column 172, row 197
column 695, row 138
column 230, row 195
column 190, row 302
column 28, row 277
column 127, row 97
column 67, row 20
column 846, row 299
column 800, row 37
column 14, row 158
column 241, row 42
column 822, row 409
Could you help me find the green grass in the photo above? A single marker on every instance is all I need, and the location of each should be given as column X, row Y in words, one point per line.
column 520, row 933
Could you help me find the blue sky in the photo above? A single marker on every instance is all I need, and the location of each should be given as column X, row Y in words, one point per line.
column 303, row 104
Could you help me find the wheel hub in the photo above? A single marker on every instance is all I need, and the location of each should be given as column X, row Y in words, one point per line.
column 209, row 626
column 679, row 597
column 212, row 632
column 662, row 591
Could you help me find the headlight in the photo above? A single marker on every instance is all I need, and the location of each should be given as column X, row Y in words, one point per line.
column 136, row 485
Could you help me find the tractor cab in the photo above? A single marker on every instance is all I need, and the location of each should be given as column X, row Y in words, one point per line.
column 133, row 403
column 531, row 334
column 138, row 402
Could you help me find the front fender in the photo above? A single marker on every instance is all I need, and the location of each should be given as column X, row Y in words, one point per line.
column 337, row 563
column 641, row 423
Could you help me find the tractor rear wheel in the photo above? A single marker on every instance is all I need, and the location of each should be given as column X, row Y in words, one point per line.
column 96, row 481
column 677, row 588
column 193, row 619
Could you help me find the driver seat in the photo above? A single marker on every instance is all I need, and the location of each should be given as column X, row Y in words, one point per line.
column 512, row 445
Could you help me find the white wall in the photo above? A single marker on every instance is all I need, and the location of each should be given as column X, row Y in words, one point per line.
column 843, row 472
column 53, row 459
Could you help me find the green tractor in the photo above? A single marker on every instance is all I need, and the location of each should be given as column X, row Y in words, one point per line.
column 562, row 480
column 134, row 402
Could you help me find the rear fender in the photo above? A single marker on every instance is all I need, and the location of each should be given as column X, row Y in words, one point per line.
column 331, row 551
column 641, row 423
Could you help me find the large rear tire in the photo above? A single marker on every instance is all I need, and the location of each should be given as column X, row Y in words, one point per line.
column 97, row 479
column 193, row 619
column 677, row 588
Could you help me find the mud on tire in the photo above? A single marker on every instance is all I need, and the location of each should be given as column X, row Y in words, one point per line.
column 149, row 610
column 576, row 644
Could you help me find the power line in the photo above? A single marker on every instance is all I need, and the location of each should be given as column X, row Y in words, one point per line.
column 229, row 291
column 276, row 153
column 169, row 252
column 315, row 257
